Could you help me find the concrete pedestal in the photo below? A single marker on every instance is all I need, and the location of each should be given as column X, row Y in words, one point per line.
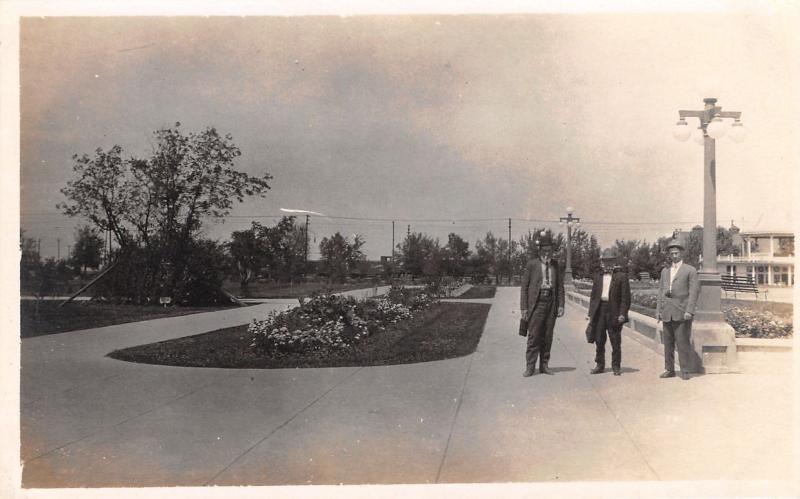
column 713, row 339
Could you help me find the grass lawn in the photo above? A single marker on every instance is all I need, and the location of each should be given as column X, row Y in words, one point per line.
column 89, row 314
column 287, row 290
column 479, row 291
column 444, row 331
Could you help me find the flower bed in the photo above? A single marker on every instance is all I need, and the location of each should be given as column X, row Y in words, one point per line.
column 747, row 321
column 330, row 322
column 751, row 323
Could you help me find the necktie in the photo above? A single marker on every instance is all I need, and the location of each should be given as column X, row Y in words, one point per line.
column 547, row 273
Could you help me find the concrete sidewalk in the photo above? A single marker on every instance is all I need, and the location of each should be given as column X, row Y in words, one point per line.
column 91, row 421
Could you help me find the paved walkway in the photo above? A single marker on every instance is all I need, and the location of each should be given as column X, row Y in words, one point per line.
column 91, row 421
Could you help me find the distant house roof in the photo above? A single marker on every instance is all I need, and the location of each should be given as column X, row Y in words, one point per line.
column 765, row 233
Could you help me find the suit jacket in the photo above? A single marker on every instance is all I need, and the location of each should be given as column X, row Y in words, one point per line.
column 532, row 281
column 619, row 297
column 683, row 297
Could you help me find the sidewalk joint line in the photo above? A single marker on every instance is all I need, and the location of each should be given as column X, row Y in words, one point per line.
column 276, row 429
column 455, row 418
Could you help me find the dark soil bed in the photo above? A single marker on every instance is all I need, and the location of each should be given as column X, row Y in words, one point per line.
column 51, row 319
column 444, row 331
column 479, row 291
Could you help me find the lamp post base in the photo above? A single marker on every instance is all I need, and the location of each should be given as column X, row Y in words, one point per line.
column 713, row 339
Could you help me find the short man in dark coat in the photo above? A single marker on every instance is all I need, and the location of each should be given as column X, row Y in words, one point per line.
column 677, row 300
column 608, row 310
column 541, row 301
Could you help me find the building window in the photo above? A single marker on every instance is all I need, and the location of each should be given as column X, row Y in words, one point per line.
column 759, row 245
column 761, row 274
column 780, row 275
column 730, row 269
column 784, row 246
column 750, row 272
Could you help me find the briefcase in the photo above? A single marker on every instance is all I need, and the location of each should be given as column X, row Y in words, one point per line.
column 523, row 327
column 590, row 333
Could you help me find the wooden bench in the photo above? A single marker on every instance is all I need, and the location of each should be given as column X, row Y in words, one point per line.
column 740, row 284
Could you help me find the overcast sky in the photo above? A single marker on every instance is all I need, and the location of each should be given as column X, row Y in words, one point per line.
column 411, row 118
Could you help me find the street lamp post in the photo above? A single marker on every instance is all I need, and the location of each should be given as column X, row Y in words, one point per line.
column 714, row 340
column 569, row 220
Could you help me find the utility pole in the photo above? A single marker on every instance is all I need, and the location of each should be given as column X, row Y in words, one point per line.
column 58, row 253
column 408, row 233
column 305, row 252
column 392, row 242
column 510, row 271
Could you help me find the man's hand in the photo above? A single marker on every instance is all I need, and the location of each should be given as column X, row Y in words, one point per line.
column 687, row 316
column 560, row 311
column 621, row 319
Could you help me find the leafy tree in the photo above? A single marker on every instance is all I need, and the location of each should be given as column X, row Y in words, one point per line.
column 456, row 255
column 415, row 250
column 585, row 254
column 88, row 249
column 156, row 205
column 248, row 255
column 340, row 256
column 285, row 247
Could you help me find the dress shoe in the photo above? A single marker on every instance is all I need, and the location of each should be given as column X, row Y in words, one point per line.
column 684, row 375
column 667, row 374
column 544, row 370
column 597, row 370
column 528, row 373
column 617, row 371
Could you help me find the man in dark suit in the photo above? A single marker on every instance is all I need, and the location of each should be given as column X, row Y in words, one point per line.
column 677, row 299
column 608, row 310
column 541, row 301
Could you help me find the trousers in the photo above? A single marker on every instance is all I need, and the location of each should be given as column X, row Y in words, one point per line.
column 540, row 331
column 605, row 325
column 680, row 333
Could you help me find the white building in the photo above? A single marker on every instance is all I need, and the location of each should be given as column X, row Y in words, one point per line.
column 767, row 257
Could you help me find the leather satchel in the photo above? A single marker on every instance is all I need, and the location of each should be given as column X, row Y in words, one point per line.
column 590, row 333
column 523, row 327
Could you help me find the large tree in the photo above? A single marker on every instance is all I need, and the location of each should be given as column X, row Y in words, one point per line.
column 247, row 254
column 157, row 205
column 87, row 250
column 340, row 256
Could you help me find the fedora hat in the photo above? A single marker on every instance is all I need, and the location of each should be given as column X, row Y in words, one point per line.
column 675, row 243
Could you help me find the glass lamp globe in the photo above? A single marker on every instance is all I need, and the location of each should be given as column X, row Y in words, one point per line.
column 698, row 136
column 737, row 132
column 682, row 131
column 569, row 210
column 716, row 129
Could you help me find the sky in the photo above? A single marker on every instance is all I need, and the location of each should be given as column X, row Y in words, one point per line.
column 443, row 123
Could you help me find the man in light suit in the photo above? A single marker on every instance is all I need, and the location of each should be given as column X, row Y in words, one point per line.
column 677, row 299
column 608, row 310
column 541, row 300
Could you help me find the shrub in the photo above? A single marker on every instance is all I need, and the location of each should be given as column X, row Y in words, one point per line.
column 756, row 324
column 329, row 322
